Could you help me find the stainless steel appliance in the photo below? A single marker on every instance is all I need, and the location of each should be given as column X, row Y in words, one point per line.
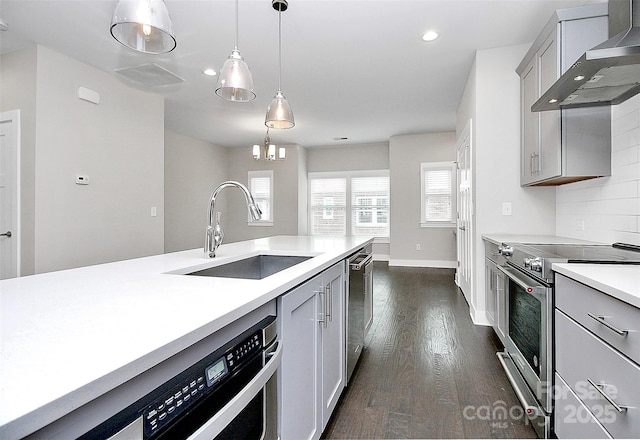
column 359, row 312
column 608, row 73
column 230, row 393
column 529, row 287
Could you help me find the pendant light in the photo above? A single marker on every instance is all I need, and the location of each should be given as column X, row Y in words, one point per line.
column 269, row 150
column 235, row 82
column 143, row 25
column 279, row 114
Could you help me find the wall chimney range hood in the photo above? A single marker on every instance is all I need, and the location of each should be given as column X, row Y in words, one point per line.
column 609, row 73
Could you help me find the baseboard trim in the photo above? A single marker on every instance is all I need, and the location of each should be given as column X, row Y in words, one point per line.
column 443, row 264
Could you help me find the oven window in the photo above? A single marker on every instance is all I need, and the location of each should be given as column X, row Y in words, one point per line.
column 525, row 320
column 249, row 424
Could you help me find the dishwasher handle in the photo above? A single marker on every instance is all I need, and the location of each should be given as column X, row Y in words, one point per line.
column 222, row 418
column 360, row 261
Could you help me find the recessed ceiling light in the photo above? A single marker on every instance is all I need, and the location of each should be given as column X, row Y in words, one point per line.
column 578, row 78
column 553, row 101
column 209, row 72
column 430, row 36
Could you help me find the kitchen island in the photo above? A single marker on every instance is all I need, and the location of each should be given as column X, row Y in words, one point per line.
column 71, row 336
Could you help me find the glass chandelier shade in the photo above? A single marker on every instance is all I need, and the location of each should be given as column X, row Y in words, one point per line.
column 279, row 114
column 235, row 82
column 144, row 26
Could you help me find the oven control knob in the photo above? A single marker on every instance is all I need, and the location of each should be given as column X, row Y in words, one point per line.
column 505, row 250
column 536, row 264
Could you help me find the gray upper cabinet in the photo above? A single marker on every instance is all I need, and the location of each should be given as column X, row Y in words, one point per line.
column 568, row 145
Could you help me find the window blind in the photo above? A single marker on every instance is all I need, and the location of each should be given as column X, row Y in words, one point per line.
column 349, row 203
column 328, row 206
column 437, row 193
column 260, row 187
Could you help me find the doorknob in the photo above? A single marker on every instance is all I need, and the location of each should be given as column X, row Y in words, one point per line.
column 6, row 234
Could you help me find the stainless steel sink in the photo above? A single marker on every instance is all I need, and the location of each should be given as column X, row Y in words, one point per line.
column 252, row 268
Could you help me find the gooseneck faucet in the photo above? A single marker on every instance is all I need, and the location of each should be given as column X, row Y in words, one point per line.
column 214, row 235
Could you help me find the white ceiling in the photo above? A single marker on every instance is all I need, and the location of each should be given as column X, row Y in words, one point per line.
column 351, row 68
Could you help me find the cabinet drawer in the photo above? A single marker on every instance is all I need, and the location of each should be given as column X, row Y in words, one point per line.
column 580, row 357
column 572, row 418
column 578, row 301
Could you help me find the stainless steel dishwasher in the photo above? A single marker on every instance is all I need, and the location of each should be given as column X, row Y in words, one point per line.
column 359, row 312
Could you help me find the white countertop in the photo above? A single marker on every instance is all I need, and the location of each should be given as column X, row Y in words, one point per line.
column 617, row 280
column 498, row 239
column 68, row 337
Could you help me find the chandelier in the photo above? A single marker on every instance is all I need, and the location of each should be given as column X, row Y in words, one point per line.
column 267, row 150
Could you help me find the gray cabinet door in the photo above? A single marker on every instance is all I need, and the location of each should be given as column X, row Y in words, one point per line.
column 333, row 341
column 550, row 161
column 299, row 374
column 530, row 153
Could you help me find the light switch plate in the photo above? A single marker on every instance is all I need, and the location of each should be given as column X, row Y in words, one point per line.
column 506, row 208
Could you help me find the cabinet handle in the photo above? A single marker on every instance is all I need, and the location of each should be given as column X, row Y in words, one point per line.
column 531, row 164
column 321, row 314
column 329, row 302
column 600, row 320
column 6, row 234
column 598, row 387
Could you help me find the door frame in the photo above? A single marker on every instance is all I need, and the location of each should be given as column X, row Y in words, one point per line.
column 13, row 116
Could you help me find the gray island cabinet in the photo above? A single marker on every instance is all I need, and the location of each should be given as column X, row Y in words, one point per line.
column 597, row 344
column 97, row 364
column 312, row 374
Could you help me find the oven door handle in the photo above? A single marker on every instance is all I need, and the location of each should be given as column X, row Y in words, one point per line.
column 521, row 280
column 212, row 427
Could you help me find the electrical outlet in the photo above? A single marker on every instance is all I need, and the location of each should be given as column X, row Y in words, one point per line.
column 418, row 247
column 154, row 211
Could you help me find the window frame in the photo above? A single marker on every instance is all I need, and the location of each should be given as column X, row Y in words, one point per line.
column 351, row 217
column 425, row 167
column 261, row 174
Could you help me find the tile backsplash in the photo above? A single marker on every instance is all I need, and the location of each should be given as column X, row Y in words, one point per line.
column 607, row 209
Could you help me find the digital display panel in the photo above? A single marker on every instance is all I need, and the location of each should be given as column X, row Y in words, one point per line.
column 216, row 371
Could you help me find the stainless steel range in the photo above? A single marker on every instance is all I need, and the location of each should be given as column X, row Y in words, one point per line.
column 529, row 287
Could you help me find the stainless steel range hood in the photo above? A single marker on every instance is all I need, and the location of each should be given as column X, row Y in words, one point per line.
column 609, row 73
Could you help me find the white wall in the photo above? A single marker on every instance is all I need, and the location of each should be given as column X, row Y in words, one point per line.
column 607, row 209
column 438, row 245
column 349, row 157
column 119, row 144
column 492, row 98
column 192, row 170
column 286, row 187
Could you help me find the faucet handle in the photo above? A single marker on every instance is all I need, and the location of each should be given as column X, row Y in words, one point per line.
column 218, row 235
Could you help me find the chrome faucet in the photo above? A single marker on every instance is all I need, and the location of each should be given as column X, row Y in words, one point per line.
column 214, row 235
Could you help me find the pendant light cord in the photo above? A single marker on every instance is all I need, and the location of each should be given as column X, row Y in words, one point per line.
column 236, row 46
column 279, row 49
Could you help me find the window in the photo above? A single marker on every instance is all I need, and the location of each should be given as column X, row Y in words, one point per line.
column 438, row 191
column 261, row 188
column 349, row 203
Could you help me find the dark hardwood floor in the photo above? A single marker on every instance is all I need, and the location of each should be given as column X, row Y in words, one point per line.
column 427, row 371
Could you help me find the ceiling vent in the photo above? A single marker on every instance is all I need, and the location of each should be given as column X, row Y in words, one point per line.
column 149, row 75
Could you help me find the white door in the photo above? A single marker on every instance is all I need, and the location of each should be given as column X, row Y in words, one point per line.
column 9, row 193
column 465, row 213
